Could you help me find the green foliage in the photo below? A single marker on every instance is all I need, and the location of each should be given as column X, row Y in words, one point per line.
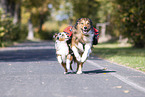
column 9, row 31
column 126, row 17
column 46, row 35
column 129, row 18
column 85, row 8
column 48, row 30
column 105, row 9
column 122, row 54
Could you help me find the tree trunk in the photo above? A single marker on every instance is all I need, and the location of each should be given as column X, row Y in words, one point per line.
column 13, row 8
column 30, row 30
column 17, row 14
column 3, row 5
column 41, row 22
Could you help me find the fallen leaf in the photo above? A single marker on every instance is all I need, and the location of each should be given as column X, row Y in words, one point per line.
column 126, row 91
column 9, row 64
column 106, row 79
column 118, row 87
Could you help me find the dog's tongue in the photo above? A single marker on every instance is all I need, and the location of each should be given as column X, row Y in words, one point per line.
column 85, row 31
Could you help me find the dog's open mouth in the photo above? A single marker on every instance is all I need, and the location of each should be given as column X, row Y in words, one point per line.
column 85, row 31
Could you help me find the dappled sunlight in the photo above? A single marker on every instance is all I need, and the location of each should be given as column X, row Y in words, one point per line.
column 113, row 45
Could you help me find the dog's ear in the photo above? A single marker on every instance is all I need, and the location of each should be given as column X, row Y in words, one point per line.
column 90, row 22
column 55, row 35
column 77, row 23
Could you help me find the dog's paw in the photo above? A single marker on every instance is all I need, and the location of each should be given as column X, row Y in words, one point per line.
column 68, row 72
column 65, row 72
column 79, row 72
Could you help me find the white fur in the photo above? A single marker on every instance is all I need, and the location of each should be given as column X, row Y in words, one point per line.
column 76, row 53
column 87, row 50
column 62, row 49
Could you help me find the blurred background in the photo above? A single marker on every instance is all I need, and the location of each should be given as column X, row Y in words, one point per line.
column 117, row 20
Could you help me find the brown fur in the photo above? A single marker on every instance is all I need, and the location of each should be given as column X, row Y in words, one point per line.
column 61, row 44
column 80, row 30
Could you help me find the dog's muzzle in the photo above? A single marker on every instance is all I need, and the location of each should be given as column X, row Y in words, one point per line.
column 85, row 30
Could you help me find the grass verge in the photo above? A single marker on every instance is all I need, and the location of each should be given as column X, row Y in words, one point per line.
column 122, row 54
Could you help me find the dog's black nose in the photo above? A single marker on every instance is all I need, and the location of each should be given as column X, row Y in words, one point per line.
column 85, row 27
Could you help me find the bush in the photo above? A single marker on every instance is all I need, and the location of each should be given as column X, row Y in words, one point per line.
column 130, row 20
column 9, row 31
column 46, row 35
column 48, row 30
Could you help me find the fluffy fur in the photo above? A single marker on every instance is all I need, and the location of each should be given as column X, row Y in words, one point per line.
column 62, row 51
column 82, row 39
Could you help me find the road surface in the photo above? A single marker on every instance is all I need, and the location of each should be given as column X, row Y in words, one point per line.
column 30, row 69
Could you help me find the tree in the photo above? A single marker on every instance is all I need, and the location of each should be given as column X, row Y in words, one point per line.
column 130, row 19
column 85, row 8
column 13, row 8
column 38, row 10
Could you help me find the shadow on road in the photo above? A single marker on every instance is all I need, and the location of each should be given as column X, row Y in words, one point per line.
column 97, row 71
column 28, row 55
column 29, row 51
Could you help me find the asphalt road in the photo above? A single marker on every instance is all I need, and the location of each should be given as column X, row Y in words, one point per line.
column 30, row 69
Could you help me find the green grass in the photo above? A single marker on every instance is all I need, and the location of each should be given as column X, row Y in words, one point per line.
column 122, row 54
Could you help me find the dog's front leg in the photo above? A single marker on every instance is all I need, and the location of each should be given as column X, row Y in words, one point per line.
column 86, row 52
column 59, row 58
column 79, row 68
column 77, row 55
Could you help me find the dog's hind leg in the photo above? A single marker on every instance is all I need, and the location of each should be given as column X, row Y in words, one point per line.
column 59, row 58
column 69, row 63
column 80, row 68
column 71, row 67
column 64, row 66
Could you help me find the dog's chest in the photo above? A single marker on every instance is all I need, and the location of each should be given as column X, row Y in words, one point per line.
column 61, row 48
column 87, row 38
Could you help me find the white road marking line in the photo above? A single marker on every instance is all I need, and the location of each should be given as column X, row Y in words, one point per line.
column 123, row 79
column 26, row 48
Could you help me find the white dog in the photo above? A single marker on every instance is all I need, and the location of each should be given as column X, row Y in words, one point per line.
column 62, row 51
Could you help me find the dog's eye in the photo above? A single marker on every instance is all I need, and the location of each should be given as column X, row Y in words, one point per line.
column 82, row 23
column 88, row 23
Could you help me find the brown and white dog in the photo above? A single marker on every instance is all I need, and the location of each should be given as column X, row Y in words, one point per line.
column 82, row 39
column 62, row 51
